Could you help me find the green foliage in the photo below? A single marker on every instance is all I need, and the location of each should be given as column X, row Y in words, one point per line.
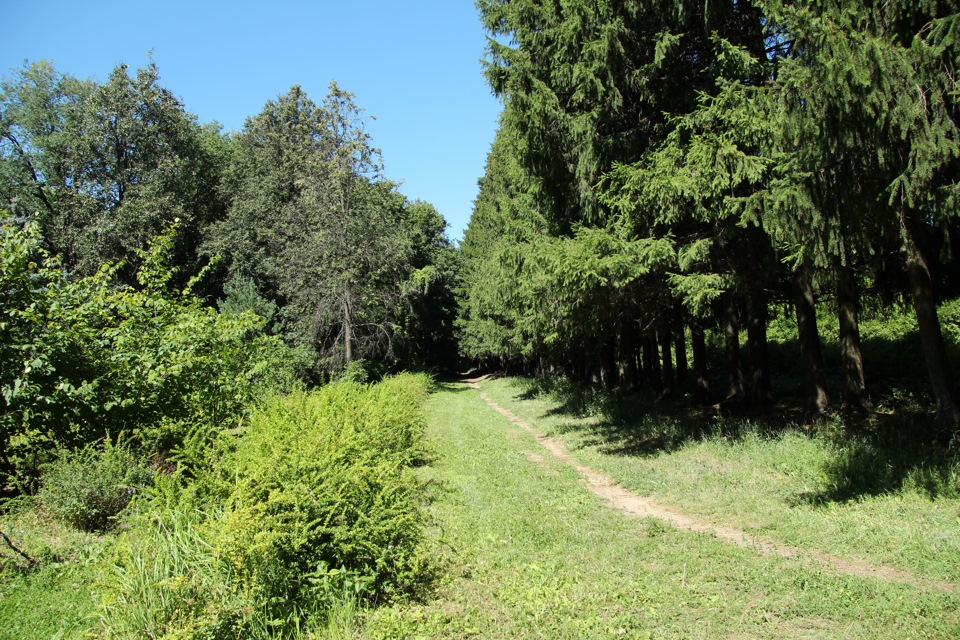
column 105, row 167
column 320, row 484
column 358, row 372
column 82, row 357
column 358, row 270
column 949, row 313
column 241, row 294
column 314, row 505
column 49, row 353
column 89, row 487
column 167, row 582
column 758, row 152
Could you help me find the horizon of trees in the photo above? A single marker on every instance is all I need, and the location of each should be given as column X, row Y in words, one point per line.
column 663, row 170
column 663, row 177
column 291, row 217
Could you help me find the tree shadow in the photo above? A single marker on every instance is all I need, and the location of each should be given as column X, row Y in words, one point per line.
column 449, row 385
column 887, row 454
column 889, row 451
column 644, row 424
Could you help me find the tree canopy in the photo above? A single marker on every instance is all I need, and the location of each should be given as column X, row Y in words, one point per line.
column 685, row 166
column 293, row 211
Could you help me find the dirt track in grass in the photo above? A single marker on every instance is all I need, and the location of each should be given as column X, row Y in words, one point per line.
column 632, row 504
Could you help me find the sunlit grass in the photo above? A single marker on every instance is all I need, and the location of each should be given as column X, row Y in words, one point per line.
column 785, row 484
column 532, row 554
column 526, row 551
column 55, row 598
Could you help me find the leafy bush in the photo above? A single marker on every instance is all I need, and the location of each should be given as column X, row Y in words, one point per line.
column 358, row 371
column 949, row 313
column 79, row 358
column 323, row 490
column 89, row 487
column 314, row 505
column 48, row 354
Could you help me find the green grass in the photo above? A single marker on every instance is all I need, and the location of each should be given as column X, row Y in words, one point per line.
column 532, row 554
column 524, row 550
column 781, row 484
column 54, row 599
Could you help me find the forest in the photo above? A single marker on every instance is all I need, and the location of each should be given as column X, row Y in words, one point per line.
column 746, row 207
column 664, row 171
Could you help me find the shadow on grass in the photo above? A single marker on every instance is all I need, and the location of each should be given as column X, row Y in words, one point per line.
column 642, row 424
column 889, row 453
column 450, row 385
column 886, row 453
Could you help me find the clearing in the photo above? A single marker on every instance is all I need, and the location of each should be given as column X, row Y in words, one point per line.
column 533, row 549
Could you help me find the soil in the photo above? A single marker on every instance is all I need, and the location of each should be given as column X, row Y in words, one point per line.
column 635, row 505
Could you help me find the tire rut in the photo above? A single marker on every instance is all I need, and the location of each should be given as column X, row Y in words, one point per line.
column 616, row 497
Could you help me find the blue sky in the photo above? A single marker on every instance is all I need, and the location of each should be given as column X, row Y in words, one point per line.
column 415, row 66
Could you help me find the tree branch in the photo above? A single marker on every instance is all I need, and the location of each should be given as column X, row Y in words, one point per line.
column 21, row 553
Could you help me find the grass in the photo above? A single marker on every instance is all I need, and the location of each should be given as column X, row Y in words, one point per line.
column 822, row 491
column 54, row 599
column 532, row 554
column 525, row 551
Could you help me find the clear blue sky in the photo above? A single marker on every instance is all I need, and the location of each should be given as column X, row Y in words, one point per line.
column 414, row 65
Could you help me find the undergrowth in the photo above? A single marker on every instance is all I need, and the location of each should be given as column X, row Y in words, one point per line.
column 313, row 507
column 89, row 487
column 285, row 527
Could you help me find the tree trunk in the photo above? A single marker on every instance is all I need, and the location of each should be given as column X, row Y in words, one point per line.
column 608, row 363
column 732, row 344
column 759, row 388
column 680, row 348
column 586, row 364
column 698, row 344
column 347, row 334
column 651, row 362
column 931, row 337
column 666, row 343
column 629, row 353
column 851, row 358
column 593, row 367
column 815, row 396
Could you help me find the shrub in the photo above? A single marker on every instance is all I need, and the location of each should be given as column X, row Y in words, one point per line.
column 80, row 357
column 87, row 488
column 314, row 505
column 323, row 491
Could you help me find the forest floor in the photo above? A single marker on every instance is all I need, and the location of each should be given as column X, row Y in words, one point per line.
column 550, row 524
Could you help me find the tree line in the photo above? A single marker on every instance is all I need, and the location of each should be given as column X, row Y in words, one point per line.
column 664, row 170
column 291, row 217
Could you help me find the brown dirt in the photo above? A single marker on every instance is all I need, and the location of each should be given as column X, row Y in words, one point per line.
column 616, row 497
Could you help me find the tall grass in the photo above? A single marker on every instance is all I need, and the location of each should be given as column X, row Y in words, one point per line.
column 311, row 511
column 168, row 581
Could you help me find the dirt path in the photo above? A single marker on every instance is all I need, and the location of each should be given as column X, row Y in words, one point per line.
column 636, row 505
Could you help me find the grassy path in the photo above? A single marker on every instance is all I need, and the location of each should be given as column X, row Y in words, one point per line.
column 531, row 553
column 616, row 497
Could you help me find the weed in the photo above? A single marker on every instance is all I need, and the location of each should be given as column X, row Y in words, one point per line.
column 313, row 509
column 89, row 487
